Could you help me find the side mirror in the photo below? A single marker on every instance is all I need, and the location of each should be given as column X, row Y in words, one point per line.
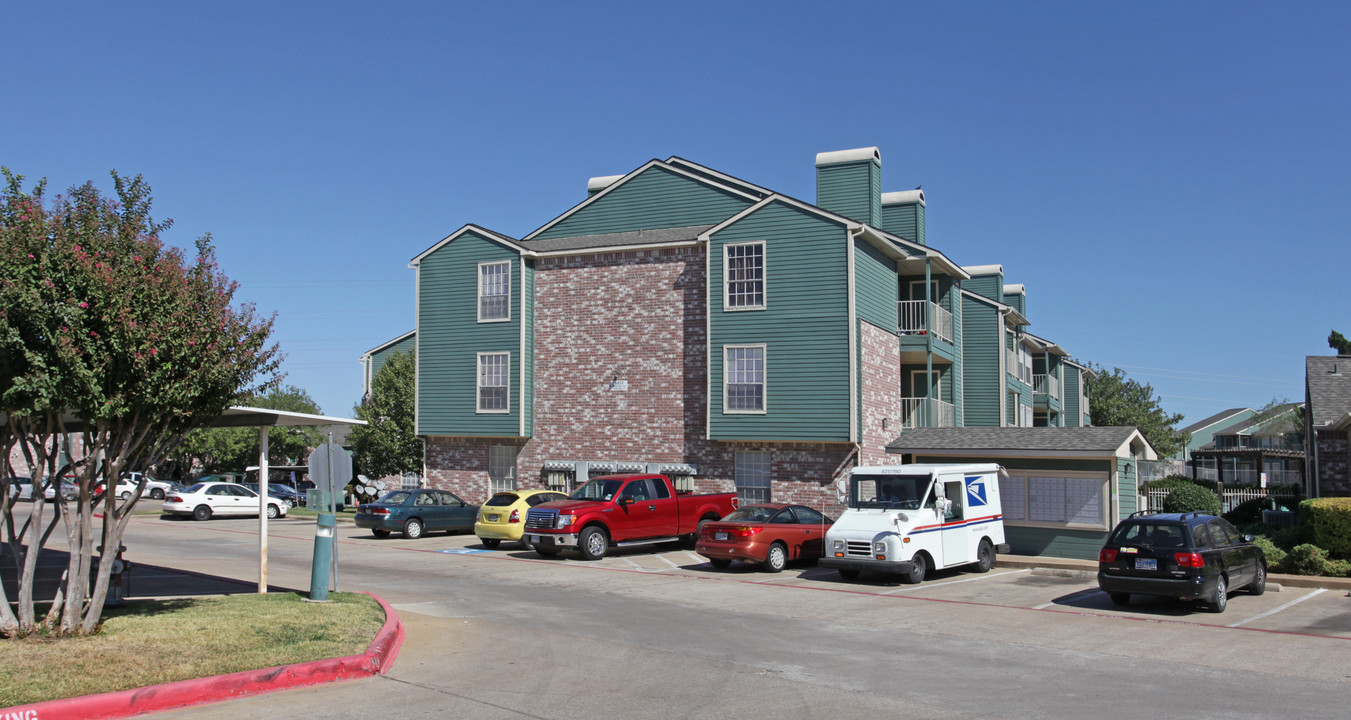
column 1249, row 538
column 624, row 500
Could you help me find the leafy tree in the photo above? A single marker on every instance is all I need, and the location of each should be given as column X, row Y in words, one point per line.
column 387, row 444
column 1339, row 343
column 233, row 449
column 1114, row 400
column 108, row 334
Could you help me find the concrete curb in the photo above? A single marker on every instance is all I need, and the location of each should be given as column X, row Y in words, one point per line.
column 377, row 659
column 1088, row 570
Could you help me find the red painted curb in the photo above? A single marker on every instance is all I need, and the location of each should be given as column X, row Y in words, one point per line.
column 377, row 659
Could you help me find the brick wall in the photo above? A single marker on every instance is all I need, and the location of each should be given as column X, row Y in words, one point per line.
column 881, row 383
column 1334, row 464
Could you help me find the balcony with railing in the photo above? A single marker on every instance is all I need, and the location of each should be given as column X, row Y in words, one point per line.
column 1047, row 385
column 918, row 412
column 1019, row 366
column 913, row 319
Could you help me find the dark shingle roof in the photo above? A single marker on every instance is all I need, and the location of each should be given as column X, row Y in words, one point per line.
column 656, row 236
column 994, row 441
column 1329, row 382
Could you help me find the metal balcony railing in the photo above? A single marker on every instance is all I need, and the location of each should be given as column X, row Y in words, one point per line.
column 912, row 318
column 918, row 412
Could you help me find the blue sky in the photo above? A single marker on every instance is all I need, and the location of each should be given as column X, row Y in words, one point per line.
column 1168, row 180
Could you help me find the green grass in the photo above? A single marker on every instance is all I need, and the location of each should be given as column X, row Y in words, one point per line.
column 148, row 642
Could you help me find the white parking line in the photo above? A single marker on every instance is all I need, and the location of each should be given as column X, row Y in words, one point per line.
column 1277, row 609
column 696, row 558
column 633, row 564
column 987, row 576
column 668, row 562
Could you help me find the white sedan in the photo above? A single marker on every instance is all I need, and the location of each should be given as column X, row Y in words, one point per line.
column 156, row 489
column 203, row 500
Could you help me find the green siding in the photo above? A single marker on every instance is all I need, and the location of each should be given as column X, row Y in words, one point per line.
column 958, row 355
column 878, row 291
column 1070, row 393
column 450, row 338
column 408, row 344
column 804, row 327
column 988, row 286
column 906, row 220
column 982, row 344
column 851, row 189
column 655, row 198
column 1128, row 487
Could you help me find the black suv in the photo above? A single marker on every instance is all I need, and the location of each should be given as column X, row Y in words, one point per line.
column 1187, row 556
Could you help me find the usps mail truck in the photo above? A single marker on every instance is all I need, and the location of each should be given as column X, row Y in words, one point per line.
column 909, row 519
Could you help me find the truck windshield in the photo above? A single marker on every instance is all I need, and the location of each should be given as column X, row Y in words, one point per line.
column 598, row 489
column 890, row 492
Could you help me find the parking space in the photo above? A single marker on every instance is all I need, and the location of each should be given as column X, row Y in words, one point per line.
column 1294, row 610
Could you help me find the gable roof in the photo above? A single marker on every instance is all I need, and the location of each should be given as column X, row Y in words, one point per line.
column 496, row 237
column 389, row 343
column 1216, row 419
column 1327, row 380
column 1024, row 441
column 1014, row 316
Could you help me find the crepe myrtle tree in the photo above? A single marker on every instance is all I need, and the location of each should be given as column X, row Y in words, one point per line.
column 108, row 334
column 387, row 445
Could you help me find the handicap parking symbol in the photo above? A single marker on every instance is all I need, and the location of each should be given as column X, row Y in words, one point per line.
column 462, row 551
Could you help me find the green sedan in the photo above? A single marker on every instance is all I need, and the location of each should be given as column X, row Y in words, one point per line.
column 415, row 512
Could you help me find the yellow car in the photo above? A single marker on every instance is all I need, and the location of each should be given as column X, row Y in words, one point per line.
column 503, row 516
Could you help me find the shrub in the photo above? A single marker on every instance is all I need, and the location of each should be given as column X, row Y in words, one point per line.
column 1338, row 568
column 1306, row 559
column 1171, row 482
column 1250, row 511
column 1330, row 519
column 1273, row 554
column 1190, row 498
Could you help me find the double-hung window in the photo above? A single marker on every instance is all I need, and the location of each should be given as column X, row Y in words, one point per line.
column 752, row 476
column 494, row 291
column 493, row 369
column 744, row 276
column 744, row 379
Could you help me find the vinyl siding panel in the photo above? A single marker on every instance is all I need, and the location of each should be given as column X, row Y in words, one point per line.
column 408, row 345
column 988, row 286
column 450, row 338
column 958, row 357
column 982, row 343
column 655, row 198
column 1070, row 394
column 853, row 190
column 804, row 327
column 878, row 290
column 906, row 220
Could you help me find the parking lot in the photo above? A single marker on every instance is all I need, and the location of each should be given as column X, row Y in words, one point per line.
column 1298, row 610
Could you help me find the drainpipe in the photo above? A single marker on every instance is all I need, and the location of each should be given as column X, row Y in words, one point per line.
column 929, row 338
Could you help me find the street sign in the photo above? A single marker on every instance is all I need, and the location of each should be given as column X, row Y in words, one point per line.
column 334, row 479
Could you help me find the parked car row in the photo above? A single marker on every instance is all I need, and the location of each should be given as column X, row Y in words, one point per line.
column 204, row 500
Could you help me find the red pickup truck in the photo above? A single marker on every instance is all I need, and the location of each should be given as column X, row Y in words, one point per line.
column 621, row 510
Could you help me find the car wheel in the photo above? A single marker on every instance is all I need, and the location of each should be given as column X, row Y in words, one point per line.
column 919, row 567
column 125, row 496
column 156, row 494
column 984, row 557
column 1120, row 598
column 380, row 532
column 1219, row 600
column 412, row 529
column 201, row 512
column 490, row 543
column 593, row 543
column 273, row 511
column 720, row 563
column 776, row 560
column 849, row 574
column 1259, row 582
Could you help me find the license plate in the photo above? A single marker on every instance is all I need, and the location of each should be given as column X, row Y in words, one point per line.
column 1146, row 564
column 492, row 518
column 719, row 536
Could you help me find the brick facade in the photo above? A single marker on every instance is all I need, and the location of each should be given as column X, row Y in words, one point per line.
column 621, row 375
column 1334, row 463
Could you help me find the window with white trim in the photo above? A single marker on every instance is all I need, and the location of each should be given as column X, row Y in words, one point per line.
column 501, row 468
column 1046, row 498
column 493, row 371
column 744, row 276
column 743, row 379
column 494, row 291
column 752, row 477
